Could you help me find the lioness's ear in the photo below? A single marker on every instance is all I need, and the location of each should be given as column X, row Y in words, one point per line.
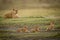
column 13, row 9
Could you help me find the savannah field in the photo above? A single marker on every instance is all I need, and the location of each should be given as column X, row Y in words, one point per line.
column 30, row 17
column 31, row 13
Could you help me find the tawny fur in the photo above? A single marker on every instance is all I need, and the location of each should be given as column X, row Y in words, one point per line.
column 35, row 29
column 51, row 27
column 19, row 30
column 25, row 29
column 12, row 14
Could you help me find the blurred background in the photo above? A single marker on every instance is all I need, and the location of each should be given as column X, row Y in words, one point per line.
column 31, row 7
column 22, row 4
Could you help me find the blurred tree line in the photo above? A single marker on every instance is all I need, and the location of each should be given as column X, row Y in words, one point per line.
column 6, row 4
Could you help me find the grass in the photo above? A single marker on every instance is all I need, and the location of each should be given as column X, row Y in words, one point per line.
column 41, row 34
column 30, row 21
column 34, row 12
